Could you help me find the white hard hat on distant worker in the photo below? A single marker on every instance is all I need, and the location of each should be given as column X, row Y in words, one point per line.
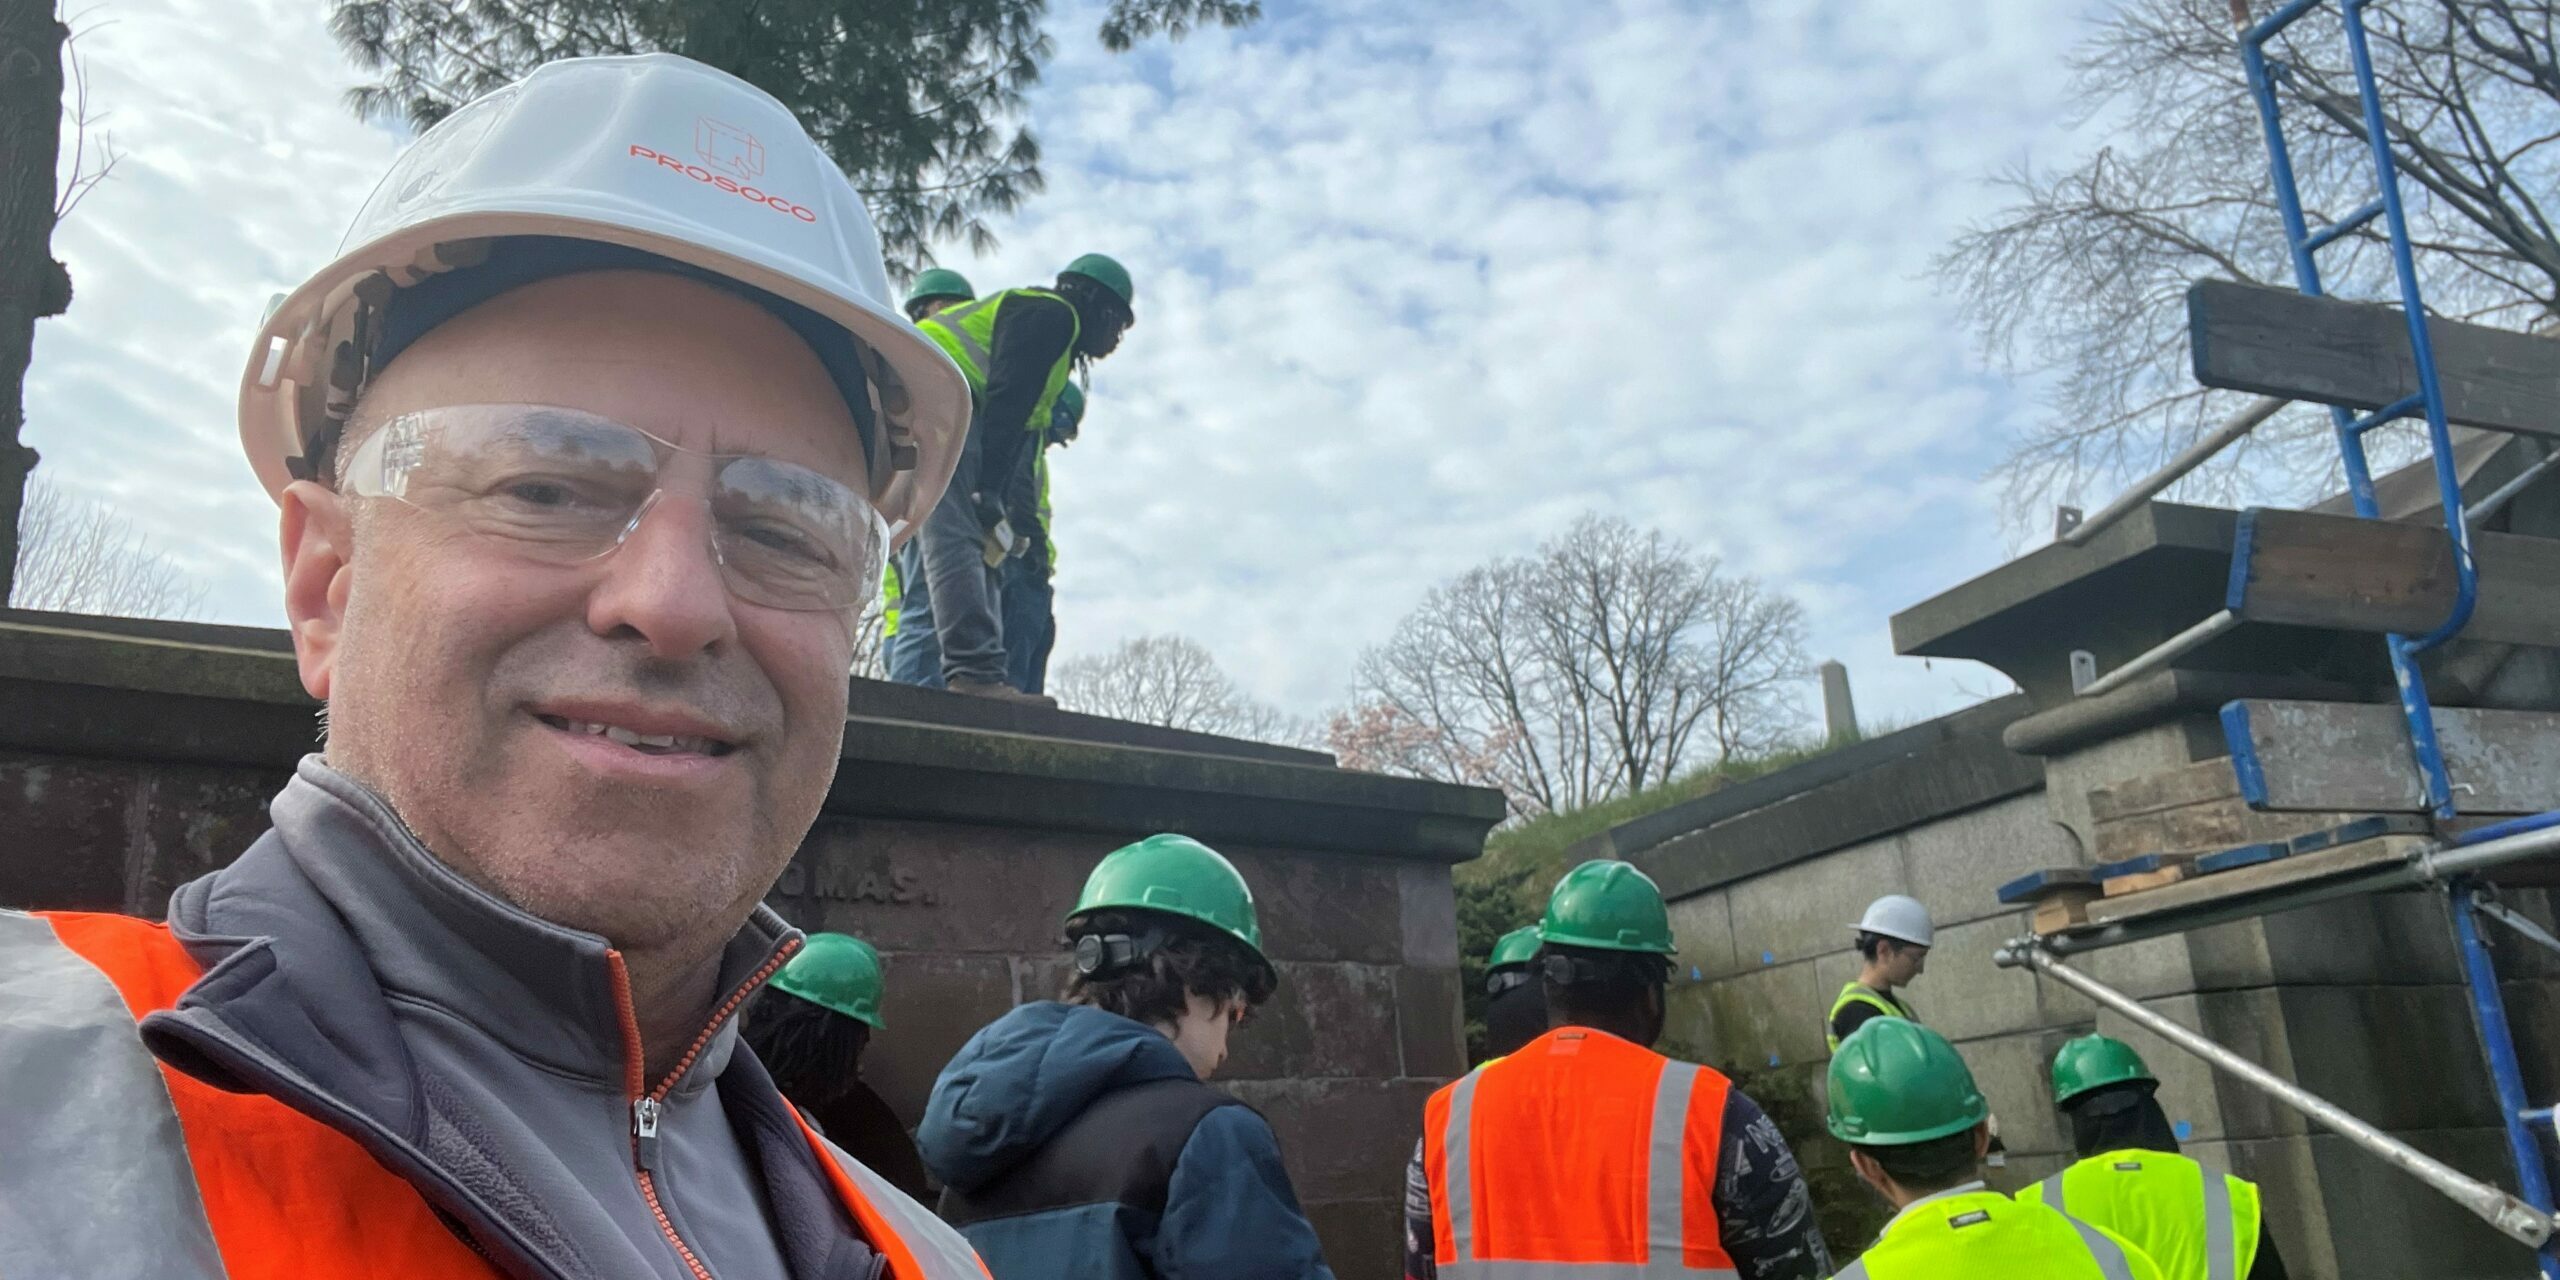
column 1900, row 918
column 653, row 161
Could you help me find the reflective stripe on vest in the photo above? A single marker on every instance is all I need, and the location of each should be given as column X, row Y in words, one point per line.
column 1859, row 993
column 915, row 1242
column 2105, row 1252
column 2221, row 1231
column 95, row 1181
column 207, row 1185
column 967, row 334
column 1668, row 1234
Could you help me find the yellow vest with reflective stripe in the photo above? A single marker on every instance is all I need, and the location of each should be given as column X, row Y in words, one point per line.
column 967, row 333
column 893, row 594
column 2196, row 1223
column 1983, row 1235
column 1859, row 993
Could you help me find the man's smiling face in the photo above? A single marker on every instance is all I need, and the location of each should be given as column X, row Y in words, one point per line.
column 621, row 744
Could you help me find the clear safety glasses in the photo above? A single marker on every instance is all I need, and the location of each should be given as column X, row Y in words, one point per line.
column 562, row 486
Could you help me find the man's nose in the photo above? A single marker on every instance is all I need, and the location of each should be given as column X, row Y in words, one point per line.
column 663, row 584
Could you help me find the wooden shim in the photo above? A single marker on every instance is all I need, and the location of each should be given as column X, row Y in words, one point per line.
column 2353, row 757
column 2062, row 911
column 2266, row 877
column 2151, row 872
column 2347, row 574
column 2277, row 342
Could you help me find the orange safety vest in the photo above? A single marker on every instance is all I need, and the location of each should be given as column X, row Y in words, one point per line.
column 1578, row 1154
column 197, row 1182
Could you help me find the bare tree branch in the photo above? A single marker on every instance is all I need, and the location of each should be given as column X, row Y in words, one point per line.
column 81, row 557
column 2081, row 279
column 1611, row 661
column 1170, row 681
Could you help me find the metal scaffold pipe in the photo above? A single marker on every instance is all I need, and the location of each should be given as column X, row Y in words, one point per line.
column 2511, row 1216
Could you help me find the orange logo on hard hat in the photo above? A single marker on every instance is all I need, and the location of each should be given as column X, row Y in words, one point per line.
column 751, row 153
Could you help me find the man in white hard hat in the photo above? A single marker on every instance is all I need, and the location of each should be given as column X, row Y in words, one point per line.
column 1894, row 937
column 588, row 446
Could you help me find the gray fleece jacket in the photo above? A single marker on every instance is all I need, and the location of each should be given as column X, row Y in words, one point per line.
column 482, row 1054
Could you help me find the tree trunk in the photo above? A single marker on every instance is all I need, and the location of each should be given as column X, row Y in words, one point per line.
column 32, row 284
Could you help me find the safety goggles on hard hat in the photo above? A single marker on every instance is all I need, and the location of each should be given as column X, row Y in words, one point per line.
column 562, row 486
column 589, row 163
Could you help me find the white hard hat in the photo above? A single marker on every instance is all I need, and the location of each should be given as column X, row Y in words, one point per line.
column 656, row 153
column 1898, row 917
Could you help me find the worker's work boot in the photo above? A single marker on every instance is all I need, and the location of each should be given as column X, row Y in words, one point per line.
column 1001, row 692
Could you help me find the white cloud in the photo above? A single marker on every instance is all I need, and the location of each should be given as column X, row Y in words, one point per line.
column 1419, row 282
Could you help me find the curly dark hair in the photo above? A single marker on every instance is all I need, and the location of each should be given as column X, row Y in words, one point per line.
column 1193, row 959
column 1608, row 985
column 813, row 1052
column 1100, row 314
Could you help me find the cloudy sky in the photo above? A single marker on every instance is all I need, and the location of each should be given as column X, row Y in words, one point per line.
column 1420, row 281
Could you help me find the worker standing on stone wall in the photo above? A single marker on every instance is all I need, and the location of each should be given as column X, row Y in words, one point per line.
column 2197, row 1223
column 1018, row 349
column 906, row 606
column 1586, row 1152
column 1515, row 1001
column 1917, row 1129
column 585, row 466
column 1079, row 1139
column 809, row 1028
column 1894, row 937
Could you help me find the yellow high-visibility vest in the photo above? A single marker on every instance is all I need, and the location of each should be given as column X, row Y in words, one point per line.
column 2196, row 1223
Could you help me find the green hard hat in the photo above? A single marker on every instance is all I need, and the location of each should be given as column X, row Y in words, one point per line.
column 1609, row 905
column 2094, row 1062
column 1895, row 1083
column 1069, row 406
column 1179, row 876
column 1105, row 271
column 835, row 971
column 939, row 282
column 1517, row 947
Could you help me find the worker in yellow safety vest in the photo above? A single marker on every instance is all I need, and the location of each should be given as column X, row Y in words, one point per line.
column 1017, row 348
column 1917, row 1129
column 1893, row 948
column 2197, row 1223
column 917, row 659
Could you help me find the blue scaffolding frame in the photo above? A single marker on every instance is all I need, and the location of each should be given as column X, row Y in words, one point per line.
column 2454, row 867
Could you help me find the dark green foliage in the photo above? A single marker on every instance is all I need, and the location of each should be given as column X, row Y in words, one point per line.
column 919, row 102
column 1488, row 907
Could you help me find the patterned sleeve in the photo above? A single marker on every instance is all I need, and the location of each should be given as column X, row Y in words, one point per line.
column 1763, row 1207
column 1418, row 1229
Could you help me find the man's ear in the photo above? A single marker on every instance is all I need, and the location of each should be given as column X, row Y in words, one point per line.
column 318, row 538
column 1868, row 1171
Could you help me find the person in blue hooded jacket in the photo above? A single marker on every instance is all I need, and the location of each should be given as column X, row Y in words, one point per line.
column 1079, row 1138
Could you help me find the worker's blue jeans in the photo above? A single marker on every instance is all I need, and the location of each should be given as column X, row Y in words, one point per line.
column 914, row 655
column 961, row 587
column 1029, row 626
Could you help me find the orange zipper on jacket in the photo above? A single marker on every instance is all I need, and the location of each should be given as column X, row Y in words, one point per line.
column 648, row 1103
